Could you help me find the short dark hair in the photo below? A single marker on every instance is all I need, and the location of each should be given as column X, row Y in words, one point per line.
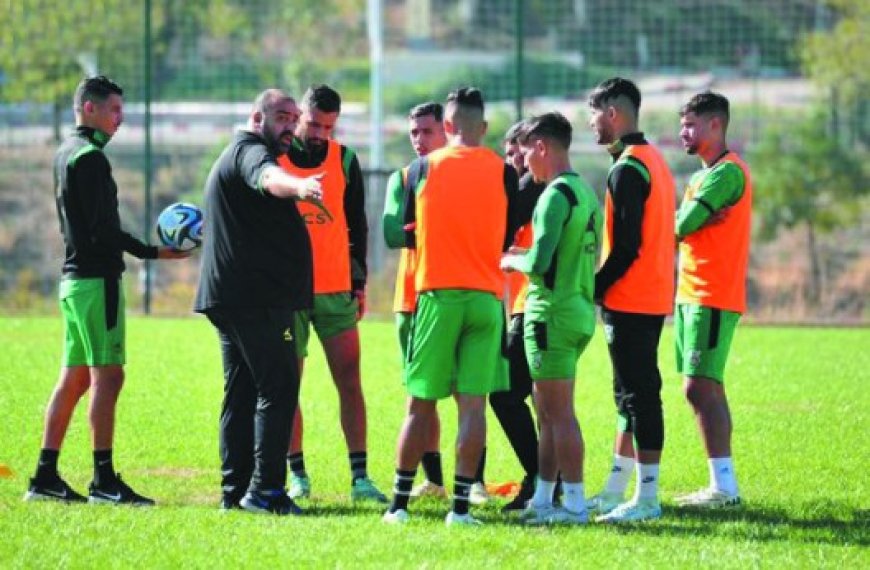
column 323, row 98
column 553, row 126
column 613, row 88
column 708, row 103
column 468, row 97
column 513, row 133
column 96, row 89
column 426, row 109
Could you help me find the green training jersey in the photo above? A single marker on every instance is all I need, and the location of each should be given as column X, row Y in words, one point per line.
column 561, row 263
column 719, row 186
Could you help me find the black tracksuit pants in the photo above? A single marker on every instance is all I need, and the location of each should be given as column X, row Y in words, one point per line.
column 261, row 392
column 633, row 341
column 510, row 407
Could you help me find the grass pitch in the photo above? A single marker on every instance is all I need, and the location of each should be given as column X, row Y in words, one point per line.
column 798, row 397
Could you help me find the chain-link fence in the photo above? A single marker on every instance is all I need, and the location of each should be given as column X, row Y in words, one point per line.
column 201, row 62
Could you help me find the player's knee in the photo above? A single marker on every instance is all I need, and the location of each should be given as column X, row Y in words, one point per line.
column 701, row 392
column 472, row 423
column 110, row 379
column 425, row 410
column 543, row 409
column 644, row 405
column 470, row 440
column 74, row 382
column 471, row 405
column 350, row 390
column 346, row 375
column 563, row 414
column 692, row 393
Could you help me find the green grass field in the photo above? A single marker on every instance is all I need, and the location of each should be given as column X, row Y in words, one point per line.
column 798, row 396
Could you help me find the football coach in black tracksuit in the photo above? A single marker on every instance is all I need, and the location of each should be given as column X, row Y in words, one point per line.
column 256, row 274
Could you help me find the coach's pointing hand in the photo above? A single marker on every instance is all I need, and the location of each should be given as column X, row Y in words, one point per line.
column 311, row 191
column 310, row 188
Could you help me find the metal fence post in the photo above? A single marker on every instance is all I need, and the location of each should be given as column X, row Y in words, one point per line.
column 518, row 94
column 146, row 167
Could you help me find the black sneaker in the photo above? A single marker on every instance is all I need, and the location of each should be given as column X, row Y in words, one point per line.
column 55, row 490
column 230, row 503
column 117, row 493
column 274, row 502
column 524, row 495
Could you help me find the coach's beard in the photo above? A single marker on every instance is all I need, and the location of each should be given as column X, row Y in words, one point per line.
column 281, row 143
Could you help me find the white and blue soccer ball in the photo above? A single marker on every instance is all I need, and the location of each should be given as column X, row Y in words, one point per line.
column 179, row 226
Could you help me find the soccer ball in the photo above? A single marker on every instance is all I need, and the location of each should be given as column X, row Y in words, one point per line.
column 179, row 226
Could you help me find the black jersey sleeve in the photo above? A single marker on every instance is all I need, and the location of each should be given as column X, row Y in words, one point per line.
column 252, row 160
column 514, row 209
column 417, row 172
column 357, row 225
column 98, row 196
column 530, row 191
column 629, row 191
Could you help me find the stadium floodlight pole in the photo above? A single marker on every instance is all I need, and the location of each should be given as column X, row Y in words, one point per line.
column 518, row 96
column 375, row 17
column 146, row 168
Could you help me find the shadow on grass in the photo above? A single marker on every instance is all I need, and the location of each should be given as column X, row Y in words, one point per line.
column 760, row 524
column 852, row 528
column 344, row 508
column 426, row 510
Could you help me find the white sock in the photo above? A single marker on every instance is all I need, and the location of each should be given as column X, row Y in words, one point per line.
column 647, row 481
column 722, row 477
column 620, row 474
column 543, row 496
column 573, row 498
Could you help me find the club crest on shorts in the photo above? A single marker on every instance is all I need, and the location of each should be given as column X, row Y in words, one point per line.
column 608, row 334
column 536, row 360
column 695, row 358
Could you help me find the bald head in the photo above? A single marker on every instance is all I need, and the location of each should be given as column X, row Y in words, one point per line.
column 269, row 99
column 274, row 117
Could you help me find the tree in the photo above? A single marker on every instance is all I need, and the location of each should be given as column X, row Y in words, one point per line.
column 315, row 45
column 804, row 178
column 838, row 60
column 49, row 45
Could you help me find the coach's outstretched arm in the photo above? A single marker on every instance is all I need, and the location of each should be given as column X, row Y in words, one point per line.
column 283, row 185
column 279, row 183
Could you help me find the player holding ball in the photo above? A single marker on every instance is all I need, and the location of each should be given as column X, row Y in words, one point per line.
column 91, row 298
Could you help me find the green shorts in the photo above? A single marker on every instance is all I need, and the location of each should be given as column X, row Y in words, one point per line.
column 94, row 326
column 403, row 328
column 456, row 344
column 300, row 332
column 333, row 314
column 553, row 346
column 703, row 340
